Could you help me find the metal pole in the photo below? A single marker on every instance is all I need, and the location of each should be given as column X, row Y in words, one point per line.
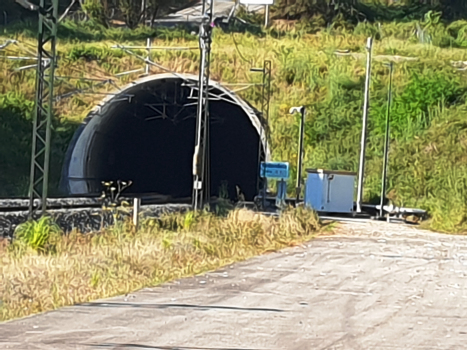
column 365, row 126
column 268, row 70
column 143, row 11
column 201, row 164
column 386, row 142
column 298, row 187
column 42, row 124
column 267, row 103
column 266, row 19
column 260, row 142
column 265, row 98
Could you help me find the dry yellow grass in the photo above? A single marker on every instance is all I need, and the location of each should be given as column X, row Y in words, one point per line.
column 80, row 268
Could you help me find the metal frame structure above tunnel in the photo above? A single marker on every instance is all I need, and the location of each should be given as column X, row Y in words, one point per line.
column 145, row 132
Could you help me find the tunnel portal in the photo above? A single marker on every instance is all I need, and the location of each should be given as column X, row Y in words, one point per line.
column 146, row 133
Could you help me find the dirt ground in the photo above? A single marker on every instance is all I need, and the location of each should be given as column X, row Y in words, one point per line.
column 366, row 286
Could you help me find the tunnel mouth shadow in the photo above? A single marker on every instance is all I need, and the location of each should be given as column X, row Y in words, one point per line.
column 146, row 134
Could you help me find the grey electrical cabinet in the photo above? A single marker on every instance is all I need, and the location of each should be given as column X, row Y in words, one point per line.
column 330, row 191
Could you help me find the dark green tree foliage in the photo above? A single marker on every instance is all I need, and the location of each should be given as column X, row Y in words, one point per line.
column 132, row 12
column 16, row 112
column 455, row 8
column 96, row 10
column 305, row 9
column 15, row 131
column 361, row 10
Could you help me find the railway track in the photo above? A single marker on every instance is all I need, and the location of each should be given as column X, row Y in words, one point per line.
column 84, row 214
column 22, row 204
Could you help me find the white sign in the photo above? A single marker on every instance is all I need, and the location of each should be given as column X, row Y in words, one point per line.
column 257, row 2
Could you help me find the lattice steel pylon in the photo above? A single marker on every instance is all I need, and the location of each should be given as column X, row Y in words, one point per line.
column 201, row 157
column 42, row 124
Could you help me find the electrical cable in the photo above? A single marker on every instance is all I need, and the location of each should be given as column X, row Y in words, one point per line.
column 238, row 50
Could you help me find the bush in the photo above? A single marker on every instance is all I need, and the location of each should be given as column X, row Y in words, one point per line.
column 458, row 33
column 15, row 133
column 368, row 29
column 38, row 235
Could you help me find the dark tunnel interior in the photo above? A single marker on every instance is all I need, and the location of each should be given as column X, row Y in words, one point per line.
column 150, row 141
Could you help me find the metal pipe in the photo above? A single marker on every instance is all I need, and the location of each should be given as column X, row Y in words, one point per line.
column 365, row 125
column 298, row 187
column 156, row 47
column 19, row 69
column 129, row 72
column 143, row 11
column 22, row 58
column 242, row 84
column 266, row 17
column 386, row 142
column 148, row 48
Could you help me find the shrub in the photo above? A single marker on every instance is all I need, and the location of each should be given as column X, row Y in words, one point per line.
column 37, row 235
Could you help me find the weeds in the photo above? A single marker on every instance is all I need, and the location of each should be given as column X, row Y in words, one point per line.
column 36, row 235
column 87, row 267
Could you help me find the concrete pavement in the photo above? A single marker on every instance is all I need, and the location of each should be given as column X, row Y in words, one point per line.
column 369, row 286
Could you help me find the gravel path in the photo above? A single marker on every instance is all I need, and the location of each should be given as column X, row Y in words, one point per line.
column 367, row 286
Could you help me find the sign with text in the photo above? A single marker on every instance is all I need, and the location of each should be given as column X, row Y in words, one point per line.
column 257, row 2
column 274, row 170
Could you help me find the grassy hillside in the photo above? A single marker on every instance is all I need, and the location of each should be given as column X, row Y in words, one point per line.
column 428, row 162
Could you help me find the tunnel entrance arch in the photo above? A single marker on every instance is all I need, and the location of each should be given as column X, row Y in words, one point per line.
column 146, row 133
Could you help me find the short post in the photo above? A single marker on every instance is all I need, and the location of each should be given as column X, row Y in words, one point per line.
column 266, row 16
column 281, row 193
column 136, row 207
column 361, row 171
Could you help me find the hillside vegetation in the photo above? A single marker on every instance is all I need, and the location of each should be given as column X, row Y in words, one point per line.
column 428, row 161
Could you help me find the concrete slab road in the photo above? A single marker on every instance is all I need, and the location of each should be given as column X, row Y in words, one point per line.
column 369, row 286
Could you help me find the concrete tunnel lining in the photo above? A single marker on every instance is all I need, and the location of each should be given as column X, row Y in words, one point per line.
column 145, row 132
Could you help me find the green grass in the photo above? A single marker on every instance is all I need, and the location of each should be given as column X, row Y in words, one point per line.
column 427, row 158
